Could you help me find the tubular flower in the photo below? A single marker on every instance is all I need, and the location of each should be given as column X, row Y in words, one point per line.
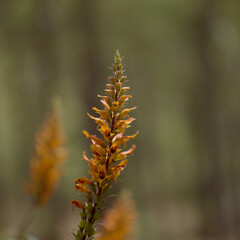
column 118, row 221
column 45, row 166
column 108, row 159
column 78, row 204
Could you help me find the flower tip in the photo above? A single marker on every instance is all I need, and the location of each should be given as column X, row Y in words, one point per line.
column 117, row 58
column 117, row 53
column 86, row 133
column 85, row 157
column 82, row 188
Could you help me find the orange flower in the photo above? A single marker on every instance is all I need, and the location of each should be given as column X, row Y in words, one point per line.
column 45, row 166
column 82, row 188
column 78, row 204
column 83, row 180
column 112, row 123
column 80, row 184
column 117, row 169
column 118, row 222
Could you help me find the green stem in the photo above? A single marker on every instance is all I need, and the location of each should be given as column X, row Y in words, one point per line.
column 90, row 220
column 27, row 220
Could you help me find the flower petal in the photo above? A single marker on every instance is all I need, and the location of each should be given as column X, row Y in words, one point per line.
column 98, row 150
column 124, row 98
column 122, row 155
column 83, row 180
column 121, row 125
column 85, row 157
column 94, row 139
column 105, row 104
column 82, row 188
column 99, row 121
column 124, row 112
column 78, row 204
column 103, row 114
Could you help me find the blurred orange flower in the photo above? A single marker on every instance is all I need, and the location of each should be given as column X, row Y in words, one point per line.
column 46, row 165
column 118, row 221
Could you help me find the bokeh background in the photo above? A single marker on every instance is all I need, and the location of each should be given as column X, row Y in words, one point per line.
column 183, row 64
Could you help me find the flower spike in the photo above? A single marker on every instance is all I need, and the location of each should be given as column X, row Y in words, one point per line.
column 47, row 164
column 108, row 160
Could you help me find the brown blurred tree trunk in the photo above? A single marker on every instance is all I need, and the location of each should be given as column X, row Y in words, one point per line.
column 233, row 174
column 42, row 34
column 206, row 120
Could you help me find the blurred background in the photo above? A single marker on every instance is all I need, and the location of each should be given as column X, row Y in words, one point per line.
column 183, row 64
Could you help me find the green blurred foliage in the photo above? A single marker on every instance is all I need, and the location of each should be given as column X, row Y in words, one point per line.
column 182, row 60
